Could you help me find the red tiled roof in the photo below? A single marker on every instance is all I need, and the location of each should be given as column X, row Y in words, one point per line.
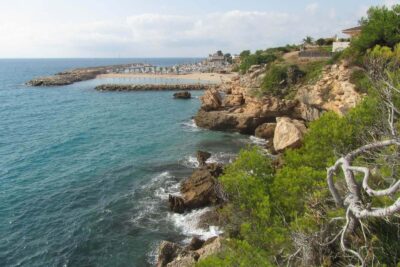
column 354, row 29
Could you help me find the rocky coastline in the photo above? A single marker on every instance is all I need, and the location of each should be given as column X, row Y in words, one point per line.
column 153, row 87
column 232, row 106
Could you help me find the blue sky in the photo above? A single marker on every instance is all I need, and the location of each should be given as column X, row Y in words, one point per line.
column 131, row 28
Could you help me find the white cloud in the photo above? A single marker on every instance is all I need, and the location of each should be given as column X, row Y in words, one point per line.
column 312, row 8
column 162, row 35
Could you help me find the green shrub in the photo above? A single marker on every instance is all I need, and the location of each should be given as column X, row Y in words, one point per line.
column 380, row 27
column 313, row 70
column 275, row 81
column 361, row 81
column 255, row 59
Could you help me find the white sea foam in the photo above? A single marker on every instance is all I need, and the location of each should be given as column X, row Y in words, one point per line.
column 190, row 162
column 221, row 157
column 190, row 126
column 258, row 141
column 188, row 224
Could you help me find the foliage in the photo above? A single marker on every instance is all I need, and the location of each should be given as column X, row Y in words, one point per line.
column 275, row 80
column 361, row 81
column 321, row 42
column 380, row 27
column 313, row 70
column 308, row 40
column 255, row 59
column 267, row 205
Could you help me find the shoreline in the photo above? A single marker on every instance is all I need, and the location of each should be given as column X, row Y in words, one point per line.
column 212, row 77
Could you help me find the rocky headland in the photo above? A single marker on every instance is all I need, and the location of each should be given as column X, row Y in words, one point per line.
column 234, row 106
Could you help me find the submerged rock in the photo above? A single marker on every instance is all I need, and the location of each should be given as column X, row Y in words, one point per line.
column 182, row 95
column 288, row 133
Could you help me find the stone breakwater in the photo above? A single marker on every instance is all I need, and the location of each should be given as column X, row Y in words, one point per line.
column 152, row 87
column 81, row 74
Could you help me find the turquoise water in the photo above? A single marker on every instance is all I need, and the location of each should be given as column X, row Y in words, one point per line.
column 85, row 175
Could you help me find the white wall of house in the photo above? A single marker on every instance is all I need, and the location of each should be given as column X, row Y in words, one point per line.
column 339, row 46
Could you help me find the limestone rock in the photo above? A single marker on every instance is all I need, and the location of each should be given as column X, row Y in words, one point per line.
column 199, row 189
column 182, row 95
column 288, row 133
column 333, row 91
column 202, row 157
column 176, row 204
column 167, row 252
column 195, row 243
column 210, row 247
column 174, row 255
column 233, row 100
column 228, row 121
column 211, row 100
column 306, row 112
column 265, row 130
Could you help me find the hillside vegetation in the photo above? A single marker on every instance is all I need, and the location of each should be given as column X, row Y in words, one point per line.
column 281, row 211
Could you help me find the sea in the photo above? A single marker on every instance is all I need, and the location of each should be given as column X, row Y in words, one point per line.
column 85, row 175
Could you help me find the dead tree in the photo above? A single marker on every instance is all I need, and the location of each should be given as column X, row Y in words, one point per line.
column 358, row 207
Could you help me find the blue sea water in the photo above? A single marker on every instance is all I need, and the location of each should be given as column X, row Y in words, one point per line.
column 85, row 175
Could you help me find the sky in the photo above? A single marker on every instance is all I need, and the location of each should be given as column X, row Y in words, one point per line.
column 167, row 28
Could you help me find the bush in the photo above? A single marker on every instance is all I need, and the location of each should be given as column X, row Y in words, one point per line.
column 275, row 81
column 361, row 81
column 380, row 27
column 321, row 42
column 313, row 71
column 255, row 59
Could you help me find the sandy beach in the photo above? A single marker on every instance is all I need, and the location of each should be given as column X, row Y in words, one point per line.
column 211, row 77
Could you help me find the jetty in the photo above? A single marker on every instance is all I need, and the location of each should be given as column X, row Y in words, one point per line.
column 153, row 87
column 83, row 74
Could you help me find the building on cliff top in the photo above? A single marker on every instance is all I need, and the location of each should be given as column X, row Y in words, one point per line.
column 341, row 45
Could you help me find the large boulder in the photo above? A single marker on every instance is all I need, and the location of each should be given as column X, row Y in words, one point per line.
column 199, row 189
column 225, row 120
column 167, row 252
column 288, row 133
column 211, row 100
column 265, row 130
column 182, row 95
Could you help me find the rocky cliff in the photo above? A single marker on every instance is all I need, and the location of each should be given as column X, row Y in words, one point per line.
column 233, row 106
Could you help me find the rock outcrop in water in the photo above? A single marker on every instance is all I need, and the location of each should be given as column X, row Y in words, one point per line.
column 182, row 95
column 199, row 190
